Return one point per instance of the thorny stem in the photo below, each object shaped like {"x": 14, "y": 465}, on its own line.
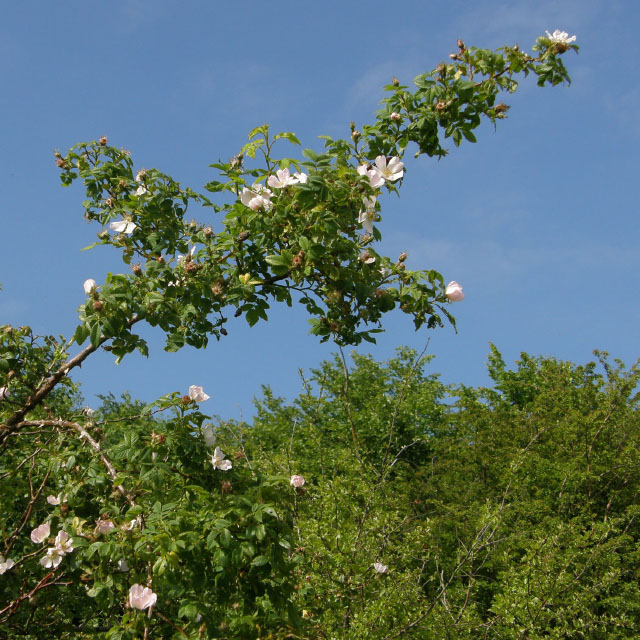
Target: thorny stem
{"x": 11, "y": 425}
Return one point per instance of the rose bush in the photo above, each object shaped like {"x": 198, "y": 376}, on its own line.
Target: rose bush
{"x": 146, "y": 517}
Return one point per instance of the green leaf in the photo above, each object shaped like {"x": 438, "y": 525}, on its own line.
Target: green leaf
{"x": 189, "y": 611}
{"x": 465, "y": 89}
{"x": 95, "y": 334}
{"x": 252, "y": 316}
{"x": 278, "y": 260}
{"x": 291, "y": 137}
{"x": 81, "y": 333}
{"x": 469, "y": 135}
{"x": 91, "y": 246}
{"x": 259, "y": 561}
{"x": 225, "y": 538}
{"x": 262, "y": 129}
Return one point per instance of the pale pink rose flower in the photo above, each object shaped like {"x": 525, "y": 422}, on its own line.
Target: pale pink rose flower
{"x": 52, "y": 559}
{"x": 257, "y": 198}
{"x": 41, "y": 533}
{"x": 282, "y": 179}
{"x": 395, "y": 116}
{"x": 122, "y": 565}
{"x": 55, "y": 500}
{"x": 301, "y": 177}
{"x": 5, "y": 565}
{"x": 89, "y": 285}
{"x": 218, "y": 460}
{"x": 209, "y": 435}
{"x": 392, "y": 170}
{"x": 141, "y": 597}
{"x": 375, "y": 179}
{"x": 378, "y": 567}
{"x": 123, "y": 226}
{"x": 296, "y": 481}
{"x": 454, "y": 292}
{"x": 140, "y": 191}
{"x": 64, "y": 543}
{"x": 561, "y": 37}
{"x": 365, "y": 218}
{"x": 197, "y": 394}
{"x": 104, "y": 526}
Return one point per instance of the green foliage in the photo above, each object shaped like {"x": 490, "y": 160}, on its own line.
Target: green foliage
{"x": 417, "y": 514}
{"x": 506, "y": 512}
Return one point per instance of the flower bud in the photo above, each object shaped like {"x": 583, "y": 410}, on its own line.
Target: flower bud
{"x": 102, "y": 141}
{"x": 395, "y": 116}
{"x": 461, "y": 45}
{"x": 223, "y": 331}
{"x": 62, "y": 163}
{"x": 356, "y": 135}
{"x": 241, "y": 237}
{"x": 137, "y": 269}
{"x": 395, "y": 82}
{"x": 402, "y": 257}
{"x": 97, "y": 305}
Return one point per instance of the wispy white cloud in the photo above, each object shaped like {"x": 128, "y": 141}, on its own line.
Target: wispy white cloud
{"x": 506, "y": 20}
{"x": 488, "y": 259}
{"x": 366, "y": 90}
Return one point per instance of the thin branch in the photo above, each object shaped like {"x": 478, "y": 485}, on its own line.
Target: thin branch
{"x": 48, "y": 385}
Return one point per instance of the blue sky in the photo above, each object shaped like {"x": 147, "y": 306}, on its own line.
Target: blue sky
{"x": 538, "y": 221}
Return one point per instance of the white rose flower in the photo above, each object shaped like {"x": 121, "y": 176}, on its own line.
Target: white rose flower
{"x": 197, "y": 394}
{"x": 89, "y": 285}
{"x": 52, "y": 559}
{"x": 141, "y": 597}
{"x": 123, "y": 226}
{"x": 5, "y": 565}
{"x": 218, "y": 460}
{"x": 41, "y": 533}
